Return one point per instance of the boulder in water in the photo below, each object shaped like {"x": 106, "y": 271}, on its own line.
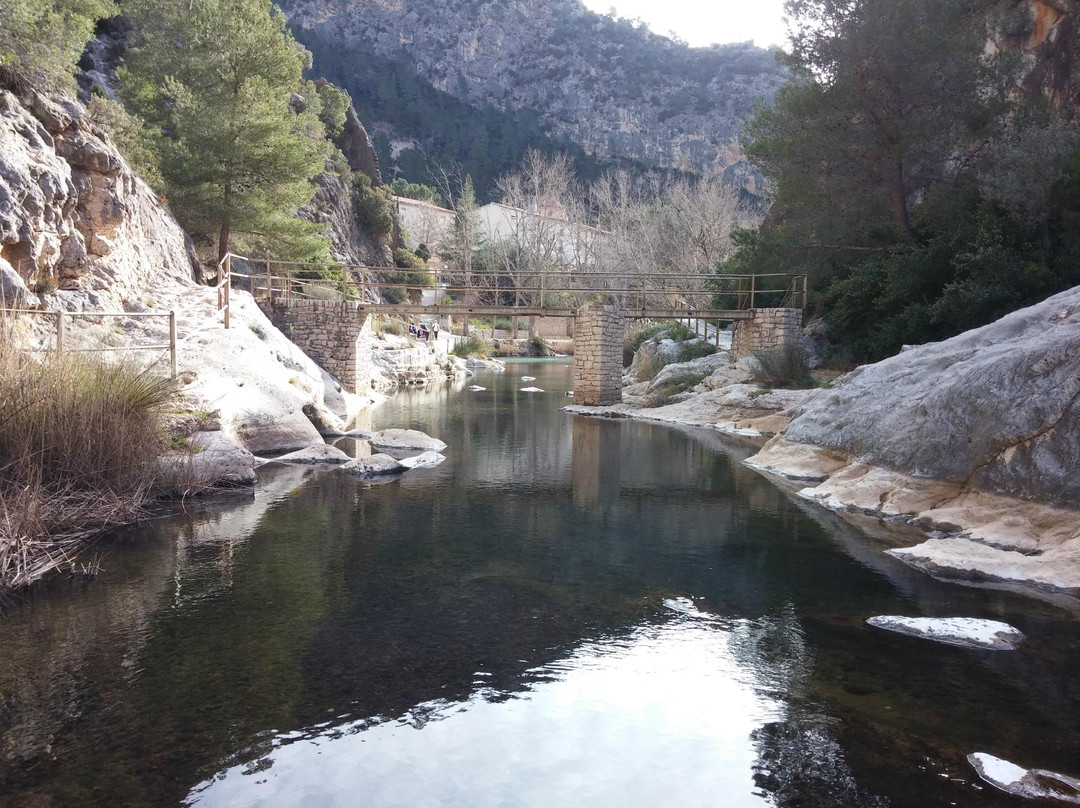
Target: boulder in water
{"x": 1029, "y": 783}
{"x": 379, "y": 465}
{"x": 965, "y": 632}
{"x": 405, "y": 439}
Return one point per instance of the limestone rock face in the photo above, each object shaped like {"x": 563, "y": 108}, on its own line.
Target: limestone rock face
{"x": 332, "y": 204}
{"x": 997, "y": 407}
{"x": 72, "y": 211}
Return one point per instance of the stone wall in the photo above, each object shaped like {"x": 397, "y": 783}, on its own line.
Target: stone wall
{"x": 770, "y": 329}
{"x": 334, "y": 334}
{"x": 598, "y": 345}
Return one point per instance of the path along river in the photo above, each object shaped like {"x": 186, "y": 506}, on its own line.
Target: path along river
{"x": 493, "y": 632}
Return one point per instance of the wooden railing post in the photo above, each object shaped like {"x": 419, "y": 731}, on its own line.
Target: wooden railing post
{"x": 753, "y": 291}
{"x": 269, "y": 282}
{"x": 59, "y": 332}
{"x": 228, "y": 284}
{"x": 172, "y": 342}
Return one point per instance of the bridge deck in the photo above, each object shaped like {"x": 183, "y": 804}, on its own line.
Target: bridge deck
{"x": 727, "y": 315}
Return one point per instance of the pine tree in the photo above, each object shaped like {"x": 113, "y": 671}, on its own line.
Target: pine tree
{"x": 219, "y": 78}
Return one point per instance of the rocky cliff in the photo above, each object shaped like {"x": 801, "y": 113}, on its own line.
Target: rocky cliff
{"x": 74, "y": 216}
{"x": 80, "y": 232}
{"x": 619, "y": 91}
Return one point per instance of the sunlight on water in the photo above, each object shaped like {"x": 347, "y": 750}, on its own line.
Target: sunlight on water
{"x": 663, "y": 716}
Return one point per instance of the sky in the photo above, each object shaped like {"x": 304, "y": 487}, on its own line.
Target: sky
{"x": 703, "y": 22}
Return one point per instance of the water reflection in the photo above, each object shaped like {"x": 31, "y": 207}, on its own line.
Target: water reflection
{"x": 491, "y": 631}
{"x": 661, "y": 715}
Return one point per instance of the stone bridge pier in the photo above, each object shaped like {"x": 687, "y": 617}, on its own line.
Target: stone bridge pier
{"x": 334, "y": 334}
{"x": 598, "y": 355}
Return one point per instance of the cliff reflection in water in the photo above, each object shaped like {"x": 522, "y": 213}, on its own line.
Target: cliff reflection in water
{"x": 493, "y": 631}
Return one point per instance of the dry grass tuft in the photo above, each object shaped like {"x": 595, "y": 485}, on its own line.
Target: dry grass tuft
{"x": 79, "y": 439}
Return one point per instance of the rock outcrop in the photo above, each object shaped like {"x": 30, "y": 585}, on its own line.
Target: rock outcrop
{"x": 976, "y": 438}
{"x": 333, "y": 205}
{"x": 73, "y": 215}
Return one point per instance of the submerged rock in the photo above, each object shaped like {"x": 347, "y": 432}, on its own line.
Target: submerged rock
{"x": 320, "y": 453}
{"x": 1029, "y": 783}
{"x": 477, "y": 389}
{"x": 379, "y": 465}
{"x": 531, "y": 390}
{"x": 687, "y": 607}
{"x": 426, "y": 460}
{"x": 528, "y": 378}
{"x": 398, "y": 439}
{"x": 965, "y": 632}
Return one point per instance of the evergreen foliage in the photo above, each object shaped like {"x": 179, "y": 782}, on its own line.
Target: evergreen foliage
{"x": 216, "y": 78}
{"x": 415, "y": 190}
{"x": 372, "y": 206}
{"x": 41, "y": 40}
{"x": 914, "y": 185}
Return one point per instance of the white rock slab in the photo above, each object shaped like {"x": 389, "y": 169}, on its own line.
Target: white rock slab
{"x": 531, "y": 390}
{"x": 477, "y": 389}
{"x": 1029, "y": 783}
{"x": 313, "y": 455}
{"x": 965, "y": 632}
{"x": 426, "y": 460}
{"x": 398, "y": 439}
{"x": 528, "y": 378}
{"x": 378, "y": 465}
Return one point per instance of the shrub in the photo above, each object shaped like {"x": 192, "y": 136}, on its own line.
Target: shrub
{"x": 650, "y": 365}
{"x": 665, "y": 392}
{"x": 403, "y": 259}
{"x": 472, "y": 346}
{"x": 665, "y": 329}
{"x": 373, "y": 211}
{"x": 391, "y": 325}
{"x": 537, "y": 347}
{"x": 79, "y": 441}
{"x": 423, "y": 252}
{"x": 783, "y": 367}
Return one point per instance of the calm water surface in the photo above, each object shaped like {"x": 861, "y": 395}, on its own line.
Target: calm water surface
{"x": 493, "y": 632}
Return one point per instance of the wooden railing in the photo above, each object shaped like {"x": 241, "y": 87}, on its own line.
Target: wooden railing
{"x": 61, "y": 342}
{"x": 535, "y": 291}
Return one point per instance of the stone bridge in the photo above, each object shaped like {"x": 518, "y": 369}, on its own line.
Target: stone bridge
{"x": 337, "y": 333}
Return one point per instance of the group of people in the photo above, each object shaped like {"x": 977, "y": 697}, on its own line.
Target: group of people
{"x": 422, "y": 331}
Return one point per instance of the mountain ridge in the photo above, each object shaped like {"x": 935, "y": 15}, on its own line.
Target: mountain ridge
{"x": 618, "y": 91}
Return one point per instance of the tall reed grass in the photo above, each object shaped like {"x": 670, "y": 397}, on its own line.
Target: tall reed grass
{"x": 79, "y": 440}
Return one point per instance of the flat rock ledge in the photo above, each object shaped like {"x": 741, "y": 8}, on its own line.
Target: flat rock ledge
{"x": 971, "y": 535}
{"x": 1028, "y": 783}
{"x": 314, "y": 455}
{"x": 378, "y": 465}
{"x": 964, "y": 632}
{"x": 406, "y": 440}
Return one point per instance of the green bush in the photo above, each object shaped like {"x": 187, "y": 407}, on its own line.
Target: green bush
{"x": 372, "y": 205}
{"x": 665, "y": 329}
{"x": 537, "y": 347}
{"x": 472, "y": 346}
{"x": 404, "y": 259}
{"x": 784, "y": 367}
{"x": 423, "y": 252}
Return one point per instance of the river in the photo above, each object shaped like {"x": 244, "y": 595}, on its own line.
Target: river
{"x": 566, "y": 612}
